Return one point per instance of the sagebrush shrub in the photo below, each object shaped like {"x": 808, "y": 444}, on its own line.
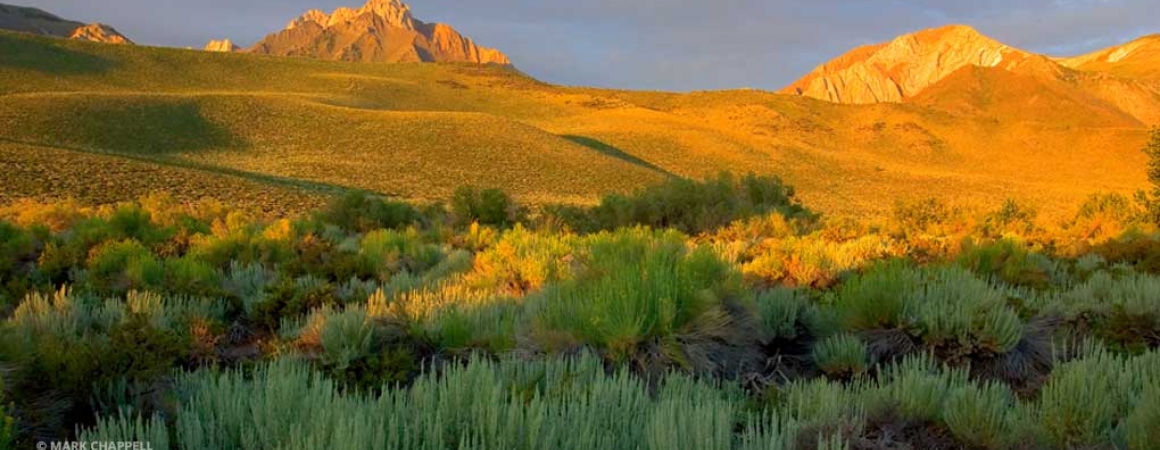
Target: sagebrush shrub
{"x": 634, "y": 286}
{"x": 841, "y": 356}
{"x": 981, "y": 415}
{"x": 784, "y": 313}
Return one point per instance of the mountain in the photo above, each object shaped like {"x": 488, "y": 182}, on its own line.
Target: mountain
{"x": 224, "y": 46}
{"x": 904, "y": 67}
{"x": 959, "y": 70}
{"x": 99, "y": 32}
{"x": 380, "y": 31}
{"x": 36, "y": 21}
{"x": 1139, "y": 59}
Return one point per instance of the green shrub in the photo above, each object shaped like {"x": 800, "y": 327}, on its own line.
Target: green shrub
{"x": 1142, "y": 426}
{"x": 292, "y": 298}
{"x": 491, "y": 326}
{"x": 522, "y": 262}
{"x": 125, "y": 427}
{"x": 841, "y": 356}
{"x": 484, "y": 206}
{"x": 512, "y": 404}
{"x": 1082, "y": 402}
{"x": 131, "y": 221}
{"x": 784, "y": 313}
{"x": 697, "y": 206}
{"x": 981, "y": 415}
{"x": 874, "y": 300}
{"x": 1152, "y": 150}
{"x": 1124, "y": 312}
{"x": 190, "y": 276}
{"x": 921, "y": 216}
{"x": 385, "y": 253}
{"x": 821, "y": 402}
{"x": 140, "y": 351}
{"x": 1011, "y": 219}
{"x": 916, "y": 387}
{"x": 962, "y": 314}
{"x": 119, "y": 266}
{"x": 1007, "y": 260}
{"x": 362, "y": 212}
{"x": 17, "y": 249}
{"x": 7, "y": 423}
{"x": 634, "y": 286}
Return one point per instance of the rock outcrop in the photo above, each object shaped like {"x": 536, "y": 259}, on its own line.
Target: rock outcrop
{"x": 36, "y": 21}
{"x": 99, "y": 32}
{"x": 223, "y": 46}
{"x": 904, "y": 67}
{"x": 380, "y": 31}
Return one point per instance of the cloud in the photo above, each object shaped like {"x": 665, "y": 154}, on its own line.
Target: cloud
{"x": 660, "y": 44}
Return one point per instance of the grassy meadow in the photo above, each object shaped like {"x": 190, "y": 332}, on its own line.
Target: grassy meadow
{"x": 418, "y": 131}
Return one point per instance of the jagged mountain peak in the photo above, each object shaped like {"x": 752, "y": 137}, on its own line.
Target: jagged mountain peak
{"x": 99, "y": 32}
{"x": 378, "y": 31}
{"x": 393, "y": 12}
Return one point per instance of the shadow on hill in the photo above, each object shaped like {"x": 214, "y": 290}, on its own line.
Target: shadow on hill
{"x": 47, "y": 56}
{"x": 147, "y": 128}
{"x": 614, "y": 152}
{"x": 317, "y": 187}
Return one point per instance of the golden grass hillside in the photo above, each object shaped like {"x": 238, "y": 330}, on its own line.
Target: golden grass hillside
{"x": 420, "y": 130}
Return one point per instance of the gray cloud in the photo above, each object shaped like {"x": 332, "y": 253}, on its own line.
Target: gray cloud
{"x": 659, "y": 44}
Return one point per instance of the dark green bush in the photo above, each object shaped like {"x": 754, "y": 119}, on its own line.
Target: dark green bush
{"x": 484, "y": 206}
{"x": 291, "y": 299}
{"x": 690, "y": 206}
{"x": 1152, "y": 149}
{"x": 7, "y": 423}
{"x": 119, "y": 266}
{"x": 139, "y": 351}
{"x": 362, "y": 212}
{"x": 17, "y": 251}
{"x": 190, "y": 276}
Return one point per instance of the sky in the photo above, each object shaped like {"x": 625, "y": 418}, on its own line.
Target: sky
{"x": 675, "y": 45}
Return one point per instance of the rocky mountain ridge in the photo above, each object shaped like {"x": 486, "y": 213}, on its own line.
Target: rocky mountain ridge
{"x": 379, "y": 31}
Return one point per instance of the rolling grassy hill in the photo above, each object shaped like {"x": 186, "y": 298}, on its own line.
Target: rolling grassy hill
{"x": 217, "y": 124}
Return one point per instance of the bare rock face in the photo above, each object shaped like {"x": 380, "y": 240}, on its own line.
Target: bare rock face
{"x": 223, "y": 46}
{"x": 904, "y": 67}
{"x": 379, "y": 31}
{"x": 99, "y": 32}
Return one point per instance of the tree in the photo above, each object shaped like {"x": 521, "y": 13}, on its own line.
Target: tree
{"x": 1152, "y": 149}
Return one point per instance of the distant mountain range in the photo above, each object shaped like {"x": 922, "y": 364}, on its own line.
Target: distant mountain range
{"x": 36, "y": 21}
{"x": 957, "y": 68}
